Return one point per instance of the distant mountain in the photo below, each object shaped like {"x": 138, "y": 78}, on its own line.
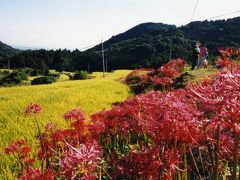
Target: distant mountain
{"x": 145, "y": 45}
{"x": 7, "y": 51}
{"x": 138, "y": 31}
{"x": 152, "y": 44}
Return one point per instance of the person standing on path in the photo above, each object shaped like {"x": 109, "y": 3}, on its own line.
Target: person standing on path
{"x": 203, "y": 56}
{"x": 195, "y": 55}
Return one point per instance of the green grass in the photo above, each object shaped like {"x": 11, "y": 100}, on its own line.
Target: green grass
{"x": 2, "y": 70}
{"x": 89, "y": 95}
{"x": 200, "y": 74}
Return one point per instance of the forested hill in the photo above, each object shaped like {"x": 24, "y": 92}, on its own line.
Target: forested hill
{"x": 216, "y": 34}
{"x": 7, "y": 51}
{"x": 147, "y": 44}
{"x": 138, "y": 31}
{"x": 153, "y": 46}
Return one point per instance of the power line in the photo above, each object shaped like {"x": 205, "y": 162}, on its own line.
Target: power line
{"x": 234, "y": 12}
{"x": 87, "y": 47}
{"x": 194, "y": 10}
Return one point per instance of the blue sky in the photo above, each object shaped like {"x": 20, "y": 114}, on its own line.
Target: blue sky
{"x": 80, "y": 23}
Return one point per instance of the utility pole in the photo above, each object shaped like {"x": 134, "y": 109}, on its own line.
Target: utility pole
{"x": 106, "y": 65}
{"x": 88, "y": 67}
{"x": 103, "y": 60}
{"x": 8, "y": 63}
{"x": 170, "y": 52}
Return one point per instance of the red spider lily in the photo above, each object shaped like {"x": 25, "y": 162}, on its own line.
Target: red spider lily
{"x": 20, "y": 147}
{"x": 225, "y": 52}
{"x": 135, "y": 76}
{"x": 168, "y": 119}
{"x": 227, "y": 144}
{"x": 219, "y": 103}
{"x": 164, "y": 81}
{"x": 178, "y": 117}
{"x": 160, "y": 78}
{"x": 159, "y": 115}
{"x": 81, "y": 161}
{"x": 171, "y": 118}
{"x": 50, "y": 144}
{"x": 14, "y": 146}
{"x": 35, "y": 174}
{"x": 54, "y": 140}
{"x": 76, "y": 118}
{"x": 172, "y": 68}
{"x": 220, "y": 100}
{"x": 75, "y": 115}
{"x": 21, "y": 151}
{"x": 228, "y": 52}
{"x": 33, "y": 109}
{"x": 223, "y": 62}
{"x": 31, "y": 173}
{"x": 148, "y": 164}
{"x": 228, "y": 55}
{"x": 144, "y": 164}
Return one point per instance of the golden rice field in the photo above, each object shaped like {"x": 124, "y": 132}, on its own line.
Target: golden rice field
{"x": 89, "y": 95}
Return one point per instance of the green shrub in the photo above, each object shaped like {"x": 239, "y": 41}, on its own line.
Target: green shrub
{"x": 14, "y": 78}
{"x": 55, "y": 75}
{"x": 80, "y": 75}
{"x": 70, "y": 75}
{"x": 26, "y": 70}
{"x": 37, "y": 72}
{"x": 5, "y": 72}
{"x": 133, "y": 79}
{"x": 43, "y": 80}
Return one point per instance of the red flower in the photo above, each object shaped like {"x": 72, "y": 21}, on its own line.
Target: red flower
{"x": 223, "y": 62}
{"x": 229, "y": 52}
{"x": 36, "y": 174}
{"x": 74, "y": 114}
{"x": 21, "y": 151}
{"x": 82, "y": 161}
{"x": 33, "y": 109}
{"x": 15, "y": 147}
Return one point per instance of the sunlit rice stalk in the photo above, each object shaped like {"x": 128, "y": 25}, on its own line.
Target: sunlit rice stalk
{"x": 225, "y": 170}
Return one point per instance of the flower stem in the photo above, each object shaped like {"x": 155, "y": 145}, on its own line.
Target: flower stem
{"x": 235, "y": 158}
{"x": 41, "y": 142}
{"x": 225, "y": 170}
{"x": 217, "y": 147}
{"x": 185, "y": 172}
{"x": 195, "y": 164}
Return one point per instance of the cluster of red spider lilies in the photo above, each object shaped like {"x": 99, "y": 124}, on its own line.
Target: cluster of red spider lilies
{"x": 188, "y": 133}
{"x": 162, "y": 78}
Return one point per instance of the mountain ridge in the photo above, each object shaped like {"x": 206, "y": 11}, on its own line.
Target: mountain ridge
{"x": 138, "y": 31}
{"x": 7, "y": 51}
{"x": 145, "y": 45}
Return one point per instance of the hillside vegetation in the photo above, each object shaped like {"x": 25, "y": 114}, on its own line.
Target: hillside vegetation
{"x": 145, "y": 45}
{"x": 6, "y": 51}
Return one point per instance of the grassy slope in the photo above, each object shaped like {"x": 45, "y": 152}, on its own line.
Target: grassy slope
{"x": 90, "y": 95}
{"x": 199, "y": 74}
